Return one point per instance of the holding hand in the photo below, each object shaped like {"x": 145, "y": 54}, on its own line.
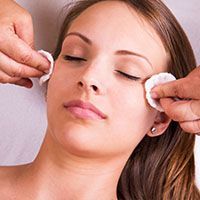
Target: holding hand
{"x": 18, "y": 59}
{"x": 187, "y": 111}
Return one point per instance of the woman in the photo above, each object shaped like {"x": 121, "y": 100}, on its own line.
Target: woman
{"x": 103, "y": 141}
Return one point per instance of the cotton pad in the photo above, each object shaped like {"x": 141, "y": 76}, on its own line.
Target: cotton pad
{"x": 49, "y": 57}
{"x": 154, "y": 81}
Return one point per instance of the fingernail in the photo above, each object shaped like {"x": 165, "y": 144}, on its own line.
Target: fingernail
{"x": 154, "y": 95}
{"x": 47, "y": 64}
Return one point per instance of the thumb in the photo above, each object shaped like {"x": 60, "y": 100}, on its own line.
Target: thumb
{"x": 169, "y": 107}
{"x": 167, "y": 104}
{"x": 24, "y": 30}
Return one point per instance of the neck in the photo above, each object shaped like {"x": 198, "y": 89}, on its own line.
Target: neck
{"x": 55, "y": 174}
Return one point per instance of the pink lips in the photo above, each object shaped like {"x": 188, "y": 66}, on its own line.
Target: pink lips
{"x": 84, "y": 110}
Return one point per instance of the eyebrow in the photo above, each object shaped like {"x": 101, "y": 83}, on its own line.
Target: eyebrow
{"x": 119, "y": 52}
{"x": 84, "y": 38}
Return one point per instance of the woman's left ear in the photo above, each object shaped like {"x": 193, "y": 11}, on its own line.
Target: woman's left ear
{"x": 161, "y": 123}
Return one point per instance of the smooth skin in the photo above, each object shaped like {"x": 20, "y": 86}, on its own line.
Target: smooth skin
{"x": 20, "y": 62}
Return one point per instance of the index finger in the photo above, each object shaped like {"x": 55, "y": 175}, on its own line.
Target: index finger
{"x": 181, "y": 88}
{"x": 23, "y": 53}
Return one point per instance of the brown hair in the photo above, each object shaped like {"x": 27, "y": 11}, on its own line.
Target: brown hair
{"x": 161, "y": 167}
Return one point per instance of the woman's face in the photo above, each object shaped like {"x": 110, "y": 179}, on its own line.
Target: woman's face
{"x": 120, "y": 52}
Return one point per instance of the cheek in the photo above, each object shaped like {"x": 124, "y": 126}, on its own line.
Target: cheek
{"x": 58, "y": 92}
{"x": 132, "y": 113}
{"x": 132, "y": 118}
{"x": 60, "y": 84}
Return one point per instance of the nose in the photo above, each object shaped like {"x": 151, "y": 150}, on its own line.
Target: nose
{"x": 90, "y": 83}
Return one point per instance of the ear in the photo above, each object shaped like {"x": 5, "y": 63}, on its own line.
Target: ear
{"x": 161, "y": 123}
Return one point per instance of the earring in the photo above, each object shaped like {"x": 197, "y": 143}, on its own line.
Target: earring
{"x": 153, "y": 130}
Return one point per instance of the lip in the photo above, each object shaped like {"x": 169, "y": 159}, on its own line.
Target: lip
{"x": 84, "y": 110}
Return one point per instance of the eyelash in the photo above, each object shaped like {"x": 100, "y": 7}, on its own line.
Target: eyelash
{"x": 134, "y": 78}
{"x": 73, "y": 59}
{"x": 78, "y": 59}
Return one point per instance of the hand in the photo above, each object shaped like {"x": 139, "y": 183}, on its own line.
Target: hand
{"x": 187, "y": 111}
{"x": 18, "y": 60}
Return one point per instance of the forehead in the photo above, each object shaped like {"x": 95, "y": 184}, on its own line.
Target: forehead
{"x": 113, "y": 25}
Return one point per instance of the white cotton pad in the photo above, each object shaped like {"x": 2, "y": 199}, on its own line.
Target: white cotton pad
{"x": 46, "y": 77}
{"x": 154, "y": 81}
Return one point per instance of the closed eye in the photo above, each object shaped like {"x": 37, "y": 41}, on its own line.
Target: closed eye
{"x": 128, "y": 76}
{"x": 73, "y": 59}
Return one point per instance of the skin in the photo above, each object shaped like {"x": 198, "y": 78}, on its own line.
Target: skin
{"x": 83, "y": 159}
{"x": 19, "y": 62}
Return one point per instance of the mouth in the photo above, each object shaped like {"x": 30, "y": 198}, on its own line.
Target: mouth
{"x": 84, "y": 110}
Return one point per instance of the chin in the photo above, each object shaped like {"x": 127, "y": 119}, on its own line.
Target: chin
{"x": 81, "y": 141}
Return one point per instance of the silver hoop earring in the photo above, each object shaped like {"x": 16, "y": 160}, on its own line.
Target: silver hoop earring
{"x": 153, "y": 130}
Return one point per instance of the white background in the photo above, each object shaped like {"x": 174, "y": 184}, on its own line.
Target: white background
{"x": 23, "y": 111}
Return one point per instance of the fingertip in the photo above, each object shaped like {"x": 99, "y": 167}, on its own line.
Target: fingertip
{"x": 44, "y": 64}
{"x": 24, "y": 82}
{"x": 158, "y": 92}
{"x": 28, "y": 85}
{"x": 154, "y": 95}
